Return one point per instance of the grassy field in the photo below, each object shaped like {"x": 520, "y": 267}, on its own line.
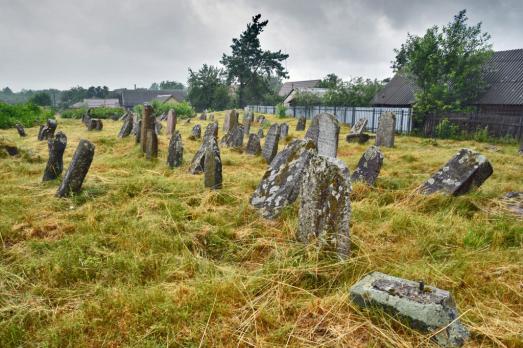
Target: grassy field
{"x": 146, "y": 256}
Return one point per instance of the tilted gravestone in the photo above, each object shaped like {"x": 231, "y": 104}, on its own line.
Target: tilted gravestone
{"x": 55, "y": 163}
{"x": 465, "y": 171}
{"x": 40, "y": 135}
{"x": 127, "y": 127}
{"x": 162, "y": 117}
{"x": 171, "y": 121}
{"x": 212, "y": 165}
{"x": 75, "y": 175}
{"x": 147, "y": 124}
{"x": 369, "y": 166}
{"x": 270, "y": 148}
{"x": 280, "y": 184}
{"x": 284, "y": 130}
{"x": 324, "y": 131}
{"x": 47, "y": 131}
{"x": 175, "y": 154}
{"x": 359, "y": 126}
{"x": 151, "y": 148}
{"x": 253, "y": 145}
{"x": 158, "y": 127}
{"x": 386, "y": 129}
{"x": 424, "y": 308}
{"x": 231, "y": 120}
{"x": 198, "y": 161}
{"x": 203, "y": 116}
{"x": 513, "y": 202}
{"x": 302, "y": 122}
{"x": 95, "y": 124}
{"x": 356, "y": 133}
{"x": 20, "y": 129}
{"x": 125, "y": 116}
{"x": 234, "y": 138}
{"x": 137, "y": 130}
{"x": 325, "y": 211}
{"x": 260, "y": 133}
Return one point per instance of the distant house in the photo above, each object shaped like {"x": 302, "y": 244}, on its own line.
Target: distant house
{"x": 289, "y": 99}
{"x": 287, "y": 87}
{"x": 132, "y": 97}
{"x": 97, "y": 103}
{"x": 504, "y": 77}
{"x": 166, "y": 98}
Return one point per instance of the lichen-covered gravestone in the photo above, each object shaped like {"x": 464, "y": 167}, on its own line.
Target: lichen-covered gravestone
{"x": 260, "y": 133}
{"x": 175, "y": 153}
{"x": 196, "y": 132}
{"x": 233, "y": 138}
{"x": 231, "y": 121}
{"x": 284, "y": 130}
{"x": 302, "y": 122}
{"x": 369, "y": 166}
{"x": 147, "y": 124}
{"x": 465, "y": 171}
{"x": 55, "y": 163}
{"x": 137, "y": 130}
{"x": 171, "y": 121}
{"x": 95, "y": 124}
{"x": 127, "y": 127}
{"x": 270, "y": 148}
{"x": 246, "y": 129}
{"x": 151, "y": 148}
{"x": 280, "y": 184}
{"x": 324, "y": 131}
{"x": 75, "y": 175}
{"x": 325, "y": 211}
{"x": 424, "y": 308}
{"x": 213, "y": 165}
{"x": 20, "y": 129}
{"x": 356, "y": 133}
{"x": 386, "y": 129}
{"x": 253, "y": 145}
{"x": 198, "y": 161}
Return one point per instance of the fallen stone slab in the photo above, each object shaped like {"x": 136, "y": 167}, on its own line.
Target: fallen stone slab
{"x": 369, "y": 166}
{"x": 465, "y": 171}
{"x": 513, "y": 201}
{"x": 424, "y": 308}
{"x": 357, "y": 138}
{"x": 55, "y": 163}
{"x": 77, "y": 171}
{"x": 359, "y": 126}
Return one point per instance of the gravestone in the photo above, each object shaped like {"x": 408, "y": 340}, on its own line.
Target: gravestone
{"x": 424, "y": 308}
{"x": 280, "y": 184}
{"x": 231, "y": 121}
{"x": 147, "y": 124}
{"x": 369, "y": 166}
{"x": 270, "y": 148}
{"x": 246, "y": 129}
{"x": 196, "y": 132}
{"x": 175, "y": 154}
{"x": 86, "y": 118}
{"x": 203, "y": 116}
{"x": 386, "y": 129}
{"x": 162, "y": 117}
{"x": 248, "y": 117}
{"x": 253, "y": 145}
{"x": 20, "y": 129}
{"x": 137, "y": 130}
{"x": 158, "y": 127}
{"x": 356, "y": 133}
{"x": 325, "y": 211}
{"x": 234, "y": 138}
{"x": 212, "y": 165}
{"x": 127, "y": 127}
{"x": 171, "y": 122}
{"x": 260, "y": 119}
{"x": 55, "y": 163}
{"x": 300, "y": 126}
{"x": 47, "y": 131}
{"x": 284, "y": 130}
{"x": 324, "y": 131}
{"x": 359, "y": 126}
{"x": 513, "y": 201}
{"x": 95, "y": 124}
{"x": 151, "y": 148}
{"x": 260, "y": 133}
{"x": 465, "y": 171}
{"x": 125, "y": 116}
{"x": 40, "y": 135}
{"x": 211, "y": 130}
{"x": 211, "y": 117}
{"x": 198, "y": 161}
{"x": 75, "y": 175}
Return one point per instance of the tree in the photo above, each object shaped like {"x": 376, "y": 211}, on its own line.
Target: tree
{"x": 207, "y": 89}
{"x": 330, "y": 81}
{"x": 249, "y": 66}
{"x": 7, "y": 90}
{"x": 171, "y": 85}
{"x": 41, "y": 99}
{"x": 447, "y": 65}
{"x": 154, "y": 86}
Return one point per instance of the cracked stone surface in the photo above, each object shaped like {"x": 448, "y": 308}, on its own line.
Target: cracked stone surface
{"x": 270, "y": 148}
{"x": 231, "y": 120}
{"x": 253, "y": 145}
{"x": 175, "y": 152}
{"x": 324, "y": 131}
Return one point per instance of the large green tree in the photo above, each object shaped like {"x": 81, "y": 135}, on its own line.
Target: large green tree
{"x": 208, "y": 89}
{"x": 250, "y": 67}
{"x": 447, "y": 65}
{"x": 41, "y": 99}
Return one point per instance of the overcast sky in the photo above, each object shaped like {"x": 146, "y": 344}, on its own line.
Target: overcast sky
{"x": 64, "y": 43}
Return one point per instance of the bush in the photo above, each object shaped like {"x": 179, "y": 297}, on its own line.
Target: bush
{"x": 27, "y": 114}
{"x": 447, "y": 130}
{"x": 281, "y": 110}
{"x": 481, "y": 135}
{"x": 102, "y": 112}
{"x": 183, "y": 109}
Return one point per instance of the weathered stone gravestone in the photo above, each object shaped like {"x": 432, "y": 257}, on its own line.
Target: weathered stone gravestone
{"x": 424, "y": 308}
{"x": 86, "y": 118}
{"x": 211, "y": 117}
{"x": 196, "y": 132}
{"x": 324, "y": 131}
{"x": 151, "y": 148}
{"x": 137, "y": 130}
{"x": 175, "y": 154}
{"x": 280, "y": 184}
{"x": 234, "y": 138}
{"x": 158, "y": 127}
{"x": 270, "y": 148}
{"x": 198, "y": 161}
{"x": 231, "y": 121}
{"x": 211, "y": 130}
{"x": 147, "y": 124}
{"x": 356, "y": 133}
{"x": 359, "y": 126}
{"x": 325, "y": 210}
{"x": 359, "y": 138}
{"x": 284, "y": 130}
{"x": 47, "y": 131}
{"x": 75, "y": 175}
{"x": 253, "y": 145}
{"x": 369, "y": 166}
{"x": 260, "y": 119}
{"x": 127, "y": 127}
{"x": 20, "y": 129}
{"x": 386, "y": 129}
{"x": 95, "y": 124}
{"x": 125, "y": 116}
{"x": 171, "y": 122}
{"x": 300, "y": 126}
{"x": 513, "y": 201}
{"x": 162, "y": 117}
{"x": 213, "y": 165}
{"x": 260, "y": 133}
{"x": 55, "y": 163}
{"x": 40, "y": 135}
{"x": 465, "y": 171}
{"x": 203, "y": 116}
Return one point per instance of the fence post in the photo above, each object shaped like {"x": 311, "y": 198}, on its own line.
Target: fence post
{"x": 373, "y": 114}
{"x": 401, "y": 127}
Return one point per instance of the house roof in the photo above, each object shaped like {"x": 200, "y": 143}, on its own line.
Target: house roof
{"x": 95, "y": 103}
{"x": 317, "y": 91}
{"x": 287, "y": 87}
{"x": 132, "y": 97}
{"x": 164, "y": 97}
{"x": 504, "y": 77}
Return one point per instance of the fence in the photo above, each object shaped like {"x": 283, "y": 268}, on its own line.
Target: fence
{"x": 498, "y": 123}
{"x": 347, "y": 114}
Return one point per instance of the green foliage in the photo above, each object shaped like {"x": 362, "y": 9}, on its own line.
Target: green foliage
{"x": 251, "y": 67}
{"x": 41, "y": 99}
{"x": 101, "y": 112}
{"x": 183, "y": 109}
{"x": 446, "y": 64}
{"x": 481, "y": 135}
{"x": 355, "y": 92}
{"x": 207, "y": 89}
{"x": 27, "y": 114}
{"x": 167, "y": 85}
{"x": 330, "y": 81}
{"x": 447, "y": 130}
{"x": 281, "y": 110}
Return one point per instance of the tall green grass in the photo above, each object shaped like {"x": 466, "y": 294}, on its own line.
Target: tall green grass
{"x": 27, "y": 114}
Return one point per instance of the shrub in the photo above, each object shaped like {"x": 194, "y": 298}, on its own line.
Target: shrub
{"x": 481, "y": 135}
{"x": 183, "y": 109}
{"x": 102, "y": 112}
{"x": 27, "y": 114}
{"x": 281, "y": 110}
{"x": 447, "y": 130}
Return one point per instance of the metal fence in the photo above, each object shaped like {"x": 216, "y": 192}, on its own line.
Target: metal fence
{"x": 347, "y": 114}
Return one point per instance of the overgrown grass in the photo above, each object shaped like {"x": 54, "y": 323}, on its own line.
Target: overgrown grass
{"x": 146, "y": 256}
